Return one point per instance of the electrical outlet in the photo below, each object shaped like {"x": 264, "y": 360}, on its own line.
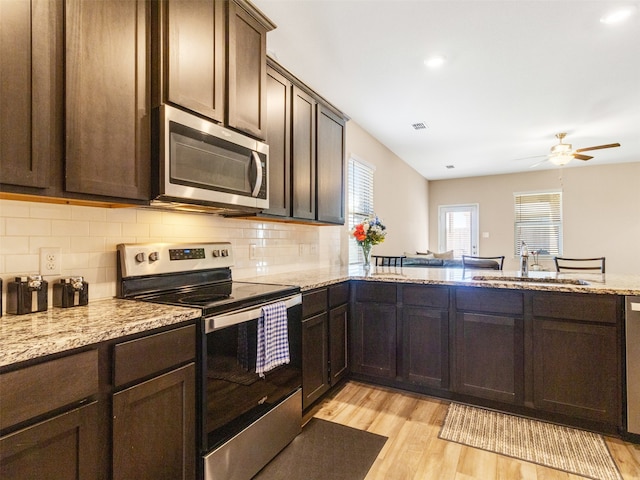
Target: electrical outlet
{"x": 50, "y": 261}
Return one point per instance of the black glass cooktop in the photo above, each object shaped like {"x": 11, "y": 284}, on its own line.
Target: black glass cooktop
{"x": 221, "y": 297}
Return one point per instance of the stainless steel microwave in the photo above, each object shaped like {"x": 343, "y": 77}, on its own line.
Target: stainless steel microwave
{"x": 202, "y": 164}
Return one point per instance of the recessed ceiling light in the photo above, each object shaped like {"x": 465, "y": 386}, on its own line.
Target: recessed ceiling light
{"x": 617, "y": 16}
{"x": 435, "y": 62}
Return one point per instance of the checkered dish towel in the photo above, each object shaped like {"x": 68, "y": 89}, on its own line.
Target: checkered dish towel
{"x": 273, "y": 338}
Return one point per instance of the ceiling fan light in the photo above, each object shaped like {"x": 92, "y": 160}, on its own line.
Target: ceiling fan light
{"x": 560, "y": 159}
{"x": 617, "y": 16}
{"x": 561, "y": 148}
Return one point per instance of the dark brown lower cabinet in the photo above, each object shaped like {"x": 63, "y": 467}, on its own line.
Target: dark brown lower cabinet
{"x": 425, "y": 346}
{"x": 489, "y": 357}
{"x": 64, "y": 447}
{"x": 374, "y": 330}
{"x": 577, "y": 355}
{"x": 154, "y": 428}
{"x": 338, "y": 352}
{"x": 315, "y": 368}
{"x": 425, "y": 335}
{"x": 325, "y": 358}
{"x": 489, "y": 344}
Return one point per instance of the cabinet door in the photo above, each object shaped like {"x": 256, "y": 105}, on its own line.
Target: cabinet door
{"x": 303, "y": 156}
{"x": 373, "y": 339}
{"x": 62, "y": 448}
{"x": 330, "y": 164}
{"x": 30, "y": 91}
{"x": 107, "y": 98}
{"x": 338, "y": 352}
{"x": 279, "y": 140}
{"x": 425, "y": 346}
{"x": 195, "y": 55}
{"x": 490, "y": 357}
{"x": 154, "y": 428}
{"x": 577, "y": 355}
{"x": 247, "y": 63}
{"x": 315, "y": 365}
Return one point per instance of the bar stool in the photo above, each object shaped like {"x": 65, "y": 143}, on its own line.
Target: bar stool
{"x": 568, "y": 264}
{"x": 388, "y": 260}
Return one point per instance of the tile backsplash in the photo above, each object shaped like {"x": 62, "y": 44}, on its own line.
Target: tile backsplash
{"x": 87, "y": 238}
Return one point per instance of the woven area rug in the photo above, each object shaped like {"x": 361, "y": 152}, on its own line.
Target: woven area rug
{"x": 563, "y": 448}
{"x": 325, "y": 451}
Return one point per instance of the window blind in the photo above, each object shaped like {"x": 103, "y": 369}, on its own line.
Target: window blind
{"x": 538, "y": 222}
{"x": 360, "y": 206}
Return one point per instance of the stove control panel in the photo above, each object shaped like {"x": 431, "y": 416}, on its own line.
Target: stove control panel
{"x": 138, "y": 259}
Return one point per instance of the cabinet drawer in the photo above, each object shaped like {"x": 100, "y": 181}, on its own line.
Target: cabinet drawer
{"x": 338, "y": 294}
{"x": 425, "y": 296}
{"x": 489, "y": 300}
{"x": 145, "y": 356}
{"x": 314, "y": 302}
{"x": 39, "y": 389}
{"x": 376, "y": 292}
{"x": 593, "y": 308}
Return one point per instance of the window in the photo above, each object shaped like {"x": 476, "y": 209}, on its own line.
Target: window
{"x": 360, "y": 200}
{"x": 538, "y": 222}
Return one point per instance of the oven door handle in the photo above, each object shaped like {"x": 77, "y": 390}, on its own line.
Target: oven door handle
{"x": 217, "y": 322}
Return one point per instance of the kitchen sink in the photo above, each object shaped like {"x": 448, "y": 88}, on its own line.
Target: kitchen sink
{"x": 564, "y": 281}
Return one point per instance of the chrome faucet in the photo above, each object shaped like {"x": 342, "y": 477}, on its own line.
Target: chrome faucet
{"x": 524, "y": 260}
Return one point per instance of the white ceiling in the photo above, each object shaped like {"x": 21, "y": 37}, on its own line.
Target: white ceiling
{"x": 517, "y": 72}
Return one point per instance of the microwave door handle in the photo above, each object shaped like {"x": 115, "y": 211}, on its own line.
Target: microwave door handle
{"x": 258, "y": 164}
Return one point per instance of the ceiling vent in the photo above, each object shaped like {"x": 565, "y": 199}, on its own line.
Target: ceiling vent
{"x": 419, "y": 126}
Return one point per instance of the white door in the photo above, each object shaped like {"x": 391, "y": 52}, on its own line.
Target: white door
{"x": 458, "y": 229}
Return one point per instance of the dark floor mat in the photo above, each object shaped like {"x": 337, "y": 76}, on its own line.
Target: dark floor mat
{"x": 325, "y": 451}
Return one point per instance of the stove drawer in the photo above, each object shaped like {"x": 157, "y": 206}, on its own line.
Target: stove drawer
{"x": 143, "y": 357}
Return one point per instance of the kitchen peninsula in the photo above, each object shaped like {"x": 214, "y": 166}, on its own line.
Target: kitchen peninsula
{"x": 546, "y": 350}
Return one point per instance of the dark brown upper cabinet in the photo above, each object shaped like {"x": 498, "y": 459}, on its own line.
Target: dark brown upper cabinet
{"x": 279, "y": 140}
{"x": 211, "y": 59}
{"x": 304, "y": 155}
{"x": 30, "y": 93}
{"x": 330, "y": 166}
{"x": 195, "y": 56}
{"x": 306, "y": 138}
{"x": 247, "y": 68}
{"x": 107, "y": 98}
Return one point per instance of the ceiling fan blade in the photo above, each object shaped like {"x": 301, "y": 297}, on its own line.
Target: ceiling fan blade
{"x": 598, "y": 147}
{"x": 577, "y": 156}
{"x": 539, "y": 163}
{"x": 527, "y": 158}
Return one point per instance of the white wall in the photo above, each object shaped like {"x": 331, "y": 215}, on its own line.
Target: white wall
{"x": 601, "y": 211}
{"x": 400, "y": 194}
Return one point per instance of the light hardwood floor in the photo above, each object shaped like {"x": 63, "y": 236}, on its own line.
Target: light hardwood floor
{"x": 414, "y": 451}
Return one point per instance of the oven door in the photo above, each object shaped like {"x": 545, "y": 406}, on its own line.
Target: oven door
{"x": 234, "y": 396}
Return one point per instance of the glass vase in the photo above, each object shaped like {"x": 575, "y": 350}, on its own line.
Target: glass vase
{"x": 366, "y": 254}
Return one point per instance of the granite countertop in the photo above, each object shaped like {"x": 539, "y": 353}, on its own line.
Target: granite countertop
{"x": 24, "y": 337}
{"x": 541, "y": 281}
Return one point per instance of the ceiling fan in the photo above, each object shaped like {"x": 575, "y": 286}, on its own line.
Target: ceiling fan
{"x": 563, "y": 153}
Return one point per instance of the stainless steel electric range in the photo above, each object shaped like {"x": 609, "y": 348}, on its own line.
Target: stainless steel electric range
{"x": 244, "y": 419}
